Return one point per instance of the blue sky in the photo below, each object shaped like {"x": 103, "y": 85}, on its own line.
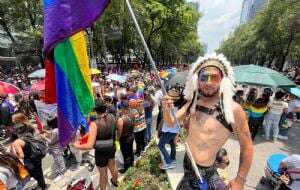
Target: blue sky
{"x": 219, "y": 18}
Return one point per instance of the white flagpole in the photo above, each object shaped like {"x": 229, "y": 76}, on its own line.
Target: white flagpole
{"x": 161, "y": 84}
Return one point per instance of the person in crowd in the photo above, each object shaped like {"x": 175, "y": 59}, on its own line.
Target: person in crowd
{"x": 168, "y": 135}
{"x": 209, "y": 84}
{"x": 257, "y": 113}
{"x": 125, "y": 125}
{"x": 138, "y": 114}
{"x": 23, "y": 148}
{"x": 276, "y": 108}
{"x": 251, "y": 97}
{"x": 239, "y": 97}
{"x": 21, "y": 126}
{"x": 102, "y": 133}
{"x": 148, "y": 108}
{"x": 85, "y": 154}
{"x": 6, "y": 111}
{"x": 290, "y": 169}
{"x": 54, "y": 149}
{"x": 222, "y": 162}
{"x": 294, "y": 107}
{"x": 288, "y": 117}
{"x": 12, "y": 171}
{"x": 267, "y": 93}
{"x": 158, "y": 97}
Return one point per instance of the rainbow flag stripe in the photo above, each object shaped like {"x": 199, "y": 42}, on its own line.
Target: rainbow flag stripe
{"x": 63, "y": 18}
{"x": 74, "y": 92}
{"x": 257, "y": 112}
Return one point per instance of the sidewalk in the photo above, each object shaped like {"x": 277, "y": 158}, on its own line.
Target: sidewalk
{"x": 262, "y": 150}
{"x": 68, "y": 177}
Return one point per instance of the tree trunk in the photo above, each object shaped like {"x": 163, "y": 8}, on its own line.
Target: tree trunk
{"x": 6, "y": 29}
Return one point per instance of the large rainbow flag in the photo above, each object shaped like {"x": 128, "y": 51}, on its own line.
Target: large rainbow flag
{"x": 74, "y": 92}
{"x": 67, "y": 66}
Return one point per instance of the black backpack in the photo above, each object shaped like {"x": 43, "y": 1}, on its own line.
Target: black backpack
{"x": 38, "y": 147}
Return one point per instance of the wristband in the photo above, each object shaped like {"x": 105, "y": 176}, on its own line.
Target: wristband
{"x": 242, "y": 178}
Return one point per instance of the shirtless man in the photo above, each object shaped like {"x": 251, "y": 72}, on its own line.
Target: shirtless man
{"x": 212, "y": 117}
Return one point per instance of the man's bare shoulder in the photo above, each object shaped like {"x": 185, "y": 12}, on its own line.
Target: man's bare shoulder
{"x": 237, "y": 109}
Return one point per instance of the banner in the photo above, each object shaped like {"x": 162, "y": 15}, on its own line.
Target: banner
{"x": 45, "y": 111}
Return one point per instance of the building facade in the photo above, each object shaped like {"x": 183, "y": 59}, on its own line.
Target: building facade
{"x": 251, "y": 8}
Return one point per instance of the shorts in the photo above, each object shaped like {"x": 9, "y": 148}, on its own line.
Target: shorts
{"x": 102, "y": 157}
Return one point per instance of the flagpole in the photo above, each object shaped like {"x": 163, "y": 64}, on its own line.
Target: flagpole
{"x": 161, "y": 84}
{"x": 146, "y": 47}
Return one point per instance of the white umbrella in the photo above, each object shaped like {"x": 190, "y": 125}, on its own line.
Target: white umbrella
{"x": 116, "y": 77}
{"x": 38, "y": 74}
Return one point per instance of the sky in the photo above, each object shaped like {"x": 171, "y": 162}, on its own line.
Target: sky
{"x": 219, "y": 18}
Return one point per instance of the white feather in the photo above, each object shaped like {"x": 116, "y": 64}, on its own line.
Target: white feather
{"x": 227, "y": 91}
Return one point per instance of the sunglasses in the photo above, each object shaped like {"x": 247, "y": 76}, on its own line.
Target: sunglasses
{"x": 207, "y": 75}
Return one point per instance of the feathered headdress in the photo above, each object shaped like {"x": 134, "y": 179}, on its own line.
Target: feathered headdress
{"x": 227, "y": 88}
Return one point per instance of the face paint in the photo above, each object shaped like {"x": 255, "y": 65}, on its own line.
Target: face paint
{"x": 210, "y": 74}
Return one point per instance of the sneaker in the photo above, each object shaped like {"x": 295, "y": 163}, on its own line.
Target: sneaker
{"x": 115, "y": 184}
{"x": 173, "y": 162}
{"x": 167, "y": 166}
{"x": 285, "y": 137}
{"x": 280, "y": 137}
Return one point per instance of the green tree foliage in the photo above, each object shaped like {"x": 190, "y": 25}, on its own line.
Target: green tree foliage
{"x": 273, "y": 37}
{"x": 22, "y": 20}
{"x": 170, "y": 29}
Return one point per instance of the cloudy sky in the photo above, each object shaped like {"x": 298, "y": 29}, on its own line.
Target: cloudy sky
{"x": 219, "y": 18}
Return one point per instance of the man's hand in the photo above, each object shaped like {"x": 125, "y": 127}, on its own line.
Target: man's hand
{"x": 236, "y": 184}
{"x": 76, "y": 144}
{"x": 167, "y": 102}
{"x": 285, "y": 179}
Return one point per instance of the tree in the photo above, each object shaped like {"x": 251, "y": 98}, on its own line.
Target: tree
{"x": 270, "y": 38}
{"x": 22, "y": 22}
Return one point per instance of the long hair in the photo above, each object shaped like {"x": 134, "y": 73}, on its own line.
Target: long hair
{"x": 10, "y": 162}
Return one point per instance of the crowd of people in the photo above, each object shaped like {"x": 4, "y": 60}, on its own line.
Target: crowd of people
{"x": 123, "y": 113}
{"x": 134, "y": 112}
{"x": 271, "y": 113}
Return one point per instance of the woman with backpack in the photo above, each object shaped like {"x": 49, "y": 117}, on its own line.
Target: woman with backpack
{"x": 102, "y": 139}
{"x": 30, "y": 148}
{"x": 32, "y": 151}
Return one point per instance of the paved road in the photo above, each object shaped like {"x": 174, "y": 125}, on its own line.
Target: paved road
{"x": 262, "y": 150}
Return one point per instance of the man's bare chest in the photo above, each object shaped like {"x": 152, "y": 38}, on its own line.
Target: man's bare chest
{"x": 207, "y": 128}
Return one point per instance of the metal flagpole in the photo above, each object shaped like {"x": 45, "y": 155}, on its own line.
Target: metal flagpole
{"x": 146, "y": 47}
{"x": 161, "y": 84}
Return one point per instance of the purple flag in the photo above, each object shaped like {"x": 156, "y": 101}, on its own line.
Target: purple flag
{"x": 63, "y": 18}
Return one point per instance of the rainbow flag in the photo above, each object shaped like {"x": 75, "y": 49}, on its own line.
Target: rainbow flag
{"x": 67, "y": 66}
{"x": 74, "y": 91}
{"x": 63, "y": 18}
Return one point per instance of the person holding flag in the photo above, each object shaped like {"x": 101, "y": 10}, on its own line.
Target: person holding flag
{"x": 212, "y": 116}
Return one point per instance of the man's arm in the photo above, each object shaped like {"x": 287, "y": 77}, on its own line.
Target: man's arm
{"x": 246, "y": 147}
{"x": 119, "y": 128}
